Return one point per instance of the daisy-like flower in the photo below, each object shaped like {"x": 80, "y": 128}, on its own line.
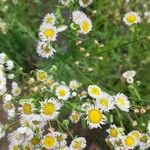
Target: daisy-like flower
{"x": 41, "y": 75}
{"x": 61, "y": 139}
{"x": 27, "y": 108}
{"x": 131, "y": 18}
{"x": 16, "y": 91}
{"x": 78, "y": 143}
{"x": 2, "y": 131}
{"x": 49, "y": 141}
{"x": 105, "y": 102}
{"x": 122, "y": 102}
{"x": 63, "y": 92}
{"x": 49, "y": 108}
{"x": 136, "y": 134}
{"x": 85, "y": 3}
{"x": 75, "y": 117}
{"x": 129, "y": 75}
{"x": 45, "y": 50}
{"x": 85, "y": 26}
{"x": 94, "y": 91}
{"x": 95, "y": 118}
{"x": 83, "y": 94}
{"x": 7, "y": 97}
{"x": 49, "y": 19}
{"x": 113, "y": 132}
{"x": 129, "y": 141}
{"x": 74, "y": 85}
{"x": 78, "y": 17}
{"x": 85, "y": 106}
{"x": 48, "y": 33}
{"x": 144, "y": 142}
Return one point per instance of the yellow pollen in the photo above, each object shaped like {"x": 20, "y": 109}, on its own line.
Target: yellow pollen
{"x": 17, "y": 91}
{"x": 129, "y": 141}
{"x": 120, "y": 101}
{"x": 27, "y": 109}
{"x": 62, "y": 92}
{"x": 113, "y": 132}
{"x": 131, "y": 18}
{"x": 46, "y": 49}
{"x": 8, "y": 106}
{"x": 75, "y": 117}
{"x": 48, "y": 109}
{"x": 96, "y": 91}
{"x": 85, "y": 26}
{"x": 42, "y": 76}
{"x": 15, "y": 147}
{"x": 85, "y": 1}
{"x": 48, "y": 142}
{"x": 49, "y": 20}
{"x": 104, "y": 102}
{"x": 49, "y": 33}
{"x": 77, "y": 145}
{"x": 135, "y": 134}
{"x": 59, "y": 138}
{"x": 95, "y": 116}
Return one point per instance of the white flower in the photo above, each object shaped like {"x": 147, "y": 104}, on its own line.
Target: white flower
{"x": 45, "y": 50}
{"x": 63, "y": 92}
{"x": 10, "y": 65}
{"x": 49, "y": 19}
{"x": 48, "y": 33}
{"x": 122, "y": 102}
{"x": 95, "y": 117}
{"x": 85, "y": 3}
{"x": 16, "y": 91}
{"x": 49, "y": 109}
{"x": 74, "y": 85}
{"x": 105, "y": 102}
{"x": 131, "y": 18}
{"x": 78, "y": 143}
{"x": 148, "y": 126}
{"x": 75, "y": 117}
{"x": 61, "y": 139}
{"x": 78, "y": 16}
{"x": 144, "y": 142}
{"x": 129, "y": 142}
{"x": 49, "y": 141}
{"x": 41, "y": 75}
{"x": 85, "y": 106}
{"x": 94, "y": 91}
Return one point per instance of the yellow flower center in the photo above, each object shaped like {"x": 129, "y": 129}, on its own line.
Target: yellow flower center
{"x": 120, "y": 101}
{"x": 48, "y": 109}
{"x": 42, "y": 76}
{"x": 144, "y": 138}
{"x": 17, "y": 91}
{"x": 59, "y": 138}
{"x": 35, "y": 141}
{"x": 77, "y": 145}
{"x": 129, "y": 141}
{"x": 15, "y": 147}
{"x": 96, "y": 91}
{"x": 46, "y": 49}
{"x": 48, "y": 142}
{"x": 62, "y": 92}
{"x": 85, "y": 26}
{"x": 75, "y": 117}
{"x": 131, "y": 18}
{"x": 49, "y": 20}
{"x": 27, "y": 109}
{"x": 8, "y": 106}
{"x": 104, "y": 102}
{"x": 113, "y": 132}
{"x": 74, "y": 86}
{"x": 95, "y": 116}
{"x": 27, "y": 148}
{"x": 49, "y": 33}
{"x": 135, "y": 134}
